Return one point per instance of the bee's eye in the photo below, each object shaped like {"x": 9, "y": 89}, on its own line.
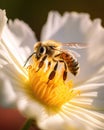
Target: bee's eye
{"x": 42, "y": 49}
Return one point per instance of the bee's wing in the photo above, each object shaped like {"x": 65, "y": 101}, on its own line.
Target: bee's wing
{"x": 74, "y": 53}
{"x": 70, "y": 46}
{"x": 75, "y": 45}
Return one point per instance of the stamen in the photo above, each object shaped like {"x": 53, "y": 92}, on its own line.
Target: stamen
{"x": 54, "y": 93}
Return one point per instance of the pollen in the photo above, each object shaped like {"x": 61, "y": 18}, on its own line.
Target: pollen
{"x": 52, "y": 93}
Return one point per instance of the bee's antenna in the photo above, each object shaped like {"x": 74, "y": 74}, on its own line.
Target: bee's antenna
{"x": 29, "y": 58}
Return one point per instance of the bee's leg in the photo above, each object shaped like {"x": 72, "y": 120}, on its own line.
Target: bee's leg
{"x": 49, "y": 64}
{"x": 65, "y": 66}
{"x": 52, "y": 74}
{"x": 41, "y": 62}
{"x": 65, "y": 71}
{"x": 57, "y": 55}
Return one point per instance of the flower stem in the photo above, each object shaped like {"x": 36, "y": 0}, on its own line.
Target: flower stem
{"x": 27, "y": 124}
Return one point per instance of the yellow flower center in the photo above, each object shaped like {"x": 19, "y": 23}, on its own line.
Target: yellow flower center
{"x": 54, "y": 93}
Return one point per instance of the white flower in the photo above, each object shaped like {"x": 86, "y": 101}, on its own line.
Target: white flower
{"x": 82, "y": 112}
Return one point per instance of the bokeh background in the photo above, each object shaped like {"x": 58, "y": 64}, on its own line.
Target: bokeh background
{"x": 34, "y": 12}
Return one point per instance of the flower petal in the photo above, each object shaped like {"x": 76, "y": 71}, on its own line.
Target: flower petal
{"x": 22, "y": 33}
{"x": 31, "y": 108}
{"x": 3, "y": 20}
{"x": 91, "y": 97}
{"x": 7, "y": 94}
{"x": 56, "y": 122}
{"x": 19, "y": 44}
{"x": 67, "y": 28}
{"x": 94, "y": 120}
{"x": 12, "y": 83}
{"x": 64, "y": 122}
{"x": 77, "y": 27}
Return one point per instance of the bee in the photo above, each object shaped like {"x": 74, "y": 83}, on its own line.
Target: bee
{"x": 54, "y": 51}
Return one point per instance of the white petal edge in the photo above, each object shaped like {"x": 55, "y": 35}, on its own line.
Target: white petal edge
{"x": 3, "y": 20}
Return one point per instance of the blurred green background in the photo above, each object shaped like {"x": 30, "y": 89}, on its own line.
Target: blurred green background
{"x": 34, "y": 12}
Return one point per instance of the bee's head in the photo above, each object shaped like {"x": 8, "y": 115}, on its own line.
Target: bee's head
{"x": 40, "y": 49}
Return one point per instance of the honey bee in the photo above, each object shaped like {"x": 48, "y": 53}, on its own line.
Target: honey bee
{"x": 54, "y": 51}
